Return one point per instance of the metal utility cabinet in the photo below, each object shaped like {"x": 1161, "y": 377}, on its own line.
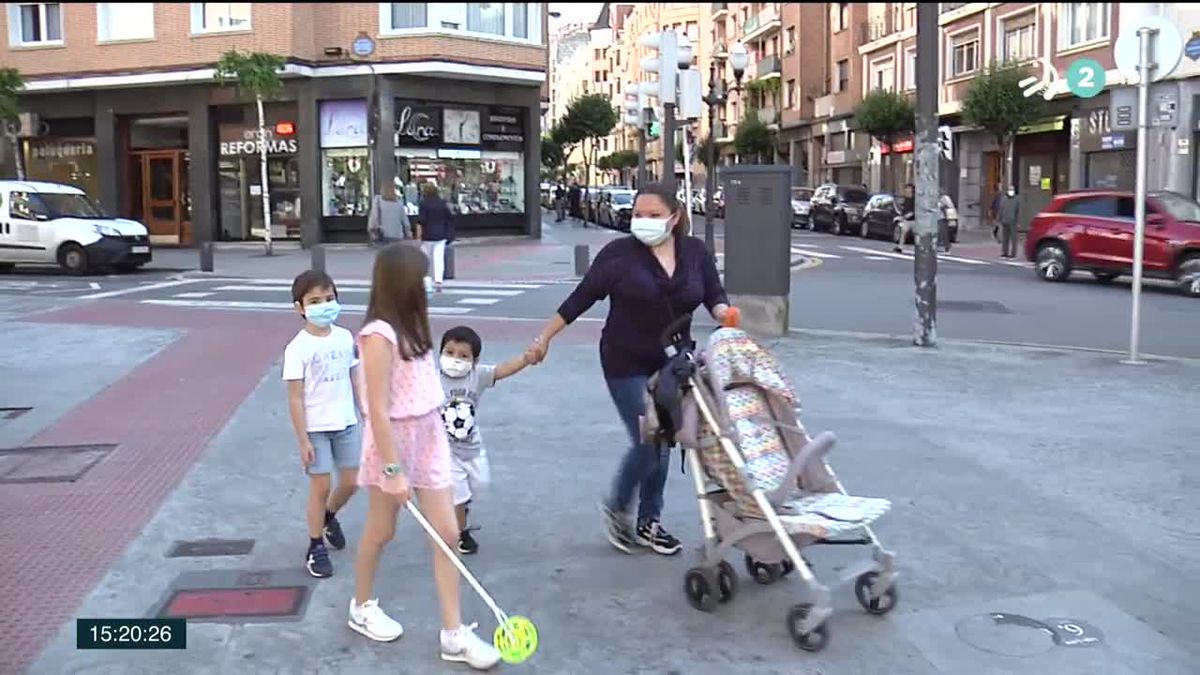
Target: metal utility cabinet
{"x": 758, "y": 238}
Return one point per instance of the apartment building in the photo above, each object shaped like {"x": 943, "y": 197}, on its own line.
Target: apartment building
{"x": 565, "y": 41}
{"x": 806, "y": 77}
{"x": 121, "y": 100}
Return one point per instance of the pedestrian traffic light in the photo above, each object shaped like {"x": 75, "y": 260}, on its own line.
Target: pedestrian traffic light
{"x": 946, "y": 143}
{"x": 666, "y": 64}
{"x": 634, "y": 110}
{"x": 655, "y": 129}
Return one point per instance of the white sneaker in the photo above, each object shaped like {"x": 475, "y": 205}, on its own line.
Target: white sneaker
{"x": 369, "y": 620}
{"x": 464, "y": 646}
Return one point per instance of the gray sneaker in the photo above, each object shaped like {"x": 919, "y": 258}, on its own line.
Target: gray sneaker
{"x": 618, "y": 529}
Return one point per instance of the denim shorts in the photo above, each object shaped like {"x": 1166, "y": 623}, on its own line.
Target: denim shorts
{"x": 342, "y": 448}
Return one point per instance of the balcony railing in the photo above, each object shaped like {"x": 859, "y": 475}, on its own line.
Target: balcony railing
{"x": 760, "y": 22}
{"x": 877, "y": 28}
{"x": 768, "y": 65}
{"x": 769, "y": 115}
{"x": 720, "y": 7}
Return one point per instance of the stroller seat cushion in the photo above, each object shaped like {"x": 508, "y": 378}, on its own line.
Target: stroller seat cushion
{"x": 827, "y": 515}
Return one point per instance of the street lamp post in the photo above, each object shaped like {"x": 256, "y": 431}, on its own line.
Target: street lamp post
{"x": 715, "y": 98}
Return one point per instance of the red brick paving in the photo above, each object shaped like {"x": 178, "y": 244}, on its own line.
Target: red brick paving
{"x": 162, "y": 415}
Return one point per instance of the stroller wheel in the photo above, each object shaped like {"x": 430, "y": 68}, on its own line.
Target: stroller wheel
{"x": 701, "y": 586}
{"x": 726, "y": 581}
{"x": 880, "y": 605}
{"x": 812, "y": 641}
{"x": 764, "y": 573}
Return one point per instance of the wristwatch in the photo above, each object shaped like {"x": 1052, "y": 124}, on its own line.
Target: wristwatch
{"x": 390, "y": 470}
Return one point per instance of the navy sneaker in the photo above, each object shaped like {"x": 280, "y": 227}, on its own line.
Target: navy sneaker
{"x": 652, "y": 535}
{"x": 466, "y": 542}
{"x": 616, "y": 525}
{"x": 333, "y": 533}
{"x": 318, "y": 563}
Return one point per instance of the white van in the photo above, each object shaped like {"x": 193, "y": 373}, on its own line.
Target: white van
{"x": 49, "y": 223}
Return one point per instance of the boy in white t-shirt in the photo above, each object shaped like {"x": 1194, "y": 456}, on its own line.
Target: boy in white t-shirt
{"x": 320, "y": 366}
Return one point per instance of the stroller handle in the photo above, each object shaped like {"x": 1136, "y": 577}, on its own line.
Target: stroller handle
{"x": 675, "y": 328}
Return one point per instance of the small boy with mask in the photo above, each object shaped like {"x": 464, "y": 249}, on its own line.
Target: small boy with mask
{"x": 320, "y": 367}
{"x": 464, "y": 381}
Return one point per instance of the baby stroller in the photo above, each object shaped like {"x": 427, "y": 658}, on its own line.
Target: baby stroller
{"x": 734, "y": 409}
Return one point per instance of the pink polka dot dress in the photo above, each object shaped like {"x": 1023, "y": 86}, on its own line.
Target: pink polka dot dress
{"x": 414, "y": 402}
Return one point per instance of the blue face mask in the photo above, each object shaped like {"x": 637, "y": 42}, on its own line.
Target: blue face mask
{"x": 324, "y": 314}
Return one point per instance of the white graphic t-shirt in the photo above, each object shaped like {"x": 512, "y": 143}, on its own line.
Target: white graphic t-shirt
{"x": 324, "y": 364}
{"x": 459, "y": 413}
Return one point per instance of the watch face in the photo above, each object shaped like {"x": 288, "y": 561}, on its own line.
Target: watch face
{"x": 461, "y": 126}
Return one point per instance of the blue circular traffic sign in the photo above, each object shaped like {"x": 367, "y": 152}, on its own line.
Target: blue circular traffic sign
{"x": 363, "y": 46}
{"x": 1085, "y": 78}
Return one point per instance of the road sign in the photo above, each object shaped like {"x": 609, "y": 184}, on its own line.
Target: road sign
{"x": 363, "y": 46}
{"x": 1167, "y": 48}
{"x": 1192, "y": 48}
{"x": 1085, "y": 78}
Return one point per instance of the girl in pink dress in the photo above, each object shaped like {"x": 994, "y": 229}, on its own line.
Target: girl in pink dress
{"x": 405, "y": 446}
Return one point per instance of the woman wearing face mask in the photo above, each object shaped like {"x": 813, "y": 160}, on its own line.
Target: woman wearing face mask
{"x": 650, "y": 278}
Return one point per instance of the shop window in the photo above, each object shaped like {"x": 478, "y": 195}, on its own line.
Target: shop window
{"x": 1082, "y": 22}
{"x": 67, "y": 161}
{"x": 408, "y": 15}
{"x": 124, "y": 21}
{"x": 37, "y": 23}
{"x": 485, "y": 17}
{"x": 964, "y": 53}
{"x": 215, "y": 17}
{"x": 492, "y": 184}
{"x": 345, "y": 181}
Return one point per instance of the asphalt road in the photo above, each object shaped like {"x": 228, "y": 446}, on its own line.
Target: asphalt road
{"x": 848, "y": 285}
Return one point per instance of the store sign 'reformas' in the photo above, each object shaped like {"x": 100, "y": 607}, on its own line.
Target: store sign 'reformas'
{"x": 249, "y": 145}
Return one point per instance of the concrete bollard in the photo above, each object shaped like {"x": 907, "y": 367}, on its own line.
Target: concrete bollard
{"x": 318, "y": 257}
{"x": 206, "y": 256}
{"x": 582, "y": 259}
{"x": 448, "y": 262}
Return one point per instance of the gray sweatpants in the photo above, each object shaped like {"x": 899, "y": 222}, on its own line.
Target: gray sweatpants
{"x": 1008, "y": 239}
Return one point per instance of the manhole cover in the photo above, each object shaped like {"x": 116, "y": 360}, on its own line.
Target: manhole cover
{"x": 1018, "y": 635}
{"x": 233, "y": 603}
{"x": 983, "y": 306}
{"x": 50, "y": 463}
{"x": 201, "y": 548}
{"x": 12, "y": 413}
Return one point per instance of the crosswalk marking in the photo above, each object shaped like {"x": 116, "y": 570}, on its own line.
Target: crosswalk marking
{"x": 816, "y": 254}
{"x": 871, "y": 251}
{"x": 478, "y": 301}
{"x": 447, "y": 291}
{"x": 198, "y": 294}
{"x": 449, "y": 283}
{"x": 276, "y": 306}
{"x": 874, "y": 257}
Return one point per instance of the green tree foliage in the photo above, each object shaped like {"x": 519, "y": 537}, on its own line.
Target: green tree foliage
{"x": 589, "y": 118}
{"x": 11, "y": 85}
{"x": 552, "y": 153}
{"x": 886, "y": 115}
{"x": 753, "y": 139}
{"x": 995, "y": 102}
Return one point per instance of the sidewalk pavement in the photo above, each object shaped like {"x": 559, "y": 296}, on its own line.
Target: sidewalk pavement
{"x": 500, "y": 258}
{"x": 1020, "y": 483}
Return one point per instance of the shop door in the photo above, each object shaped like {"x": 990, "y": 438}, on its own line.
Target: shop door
{"x": 1035, "y": 172}
{"x": 161, "y": 194}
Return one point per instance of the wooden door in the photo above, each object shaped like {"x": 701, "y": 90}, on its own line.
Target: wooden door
{"x": 161, "y": 207}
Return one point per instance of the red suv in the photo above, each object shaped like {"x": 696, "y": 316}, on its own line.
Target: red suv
{"x": 1093, "y": 230}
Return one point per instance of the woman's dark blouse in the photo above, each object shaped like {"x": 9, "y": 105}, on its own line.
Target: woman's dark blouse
{"x": 642, "y": 300}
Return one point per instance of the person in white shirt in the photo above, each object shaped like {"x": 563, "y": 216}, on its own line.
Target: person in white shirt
{"x": 320, "y": 366}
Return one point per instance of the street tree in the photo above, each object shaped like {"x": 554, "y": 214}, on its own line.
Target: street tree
{"x": 623, "y": 161}
{"x": 11, "y": 84}
{"x": 753, "y": 138}
{"x": 566, "y": 138}
{"x": 995, "y": 102}
{"x": 256, "y": 75}
{"x": 590, "y": 118}
{"x": 552, "y": 154}
{"x": 886, "y": 115}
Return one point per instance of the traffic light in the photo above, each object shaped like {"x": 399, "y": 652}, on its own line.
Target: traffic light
{"x": 655, "y": 129}
{"x": 634, "y": 110}
{"x": 946, "y": 143}
{"x": 666, "y": 64}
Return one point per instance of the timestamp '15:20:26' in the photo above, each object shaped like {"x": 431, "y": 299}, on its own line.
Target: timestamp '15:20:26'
{"x": 131, "y": 634}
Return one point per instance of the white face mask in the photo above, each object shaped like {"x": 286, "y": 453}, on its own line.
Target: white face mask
{"x": 455, "y": 368}
{"x": 1012, "y": 193}
{"x": 650, "y": 231}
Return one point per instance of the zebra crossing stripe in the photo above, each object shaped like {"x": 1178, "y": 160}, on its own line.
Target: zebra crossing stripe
{"x": 871, "y": 251}
{"x": 448, "y": 291}
{"x": 276, "y": 306}
{"x": 816, "y": 254}
{"x": 449, "y": 283}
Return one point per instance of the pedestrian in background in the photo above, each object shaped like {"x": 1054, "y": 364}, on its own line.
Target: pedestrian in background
{"x": 947, "y": 216}
{"x": 907, "y": 213}
{"x": 435, "y": 227}
{"x": 320, "y": 366}
{"x": 1007, "y": 213}
{"x": 388, "y": 220}
{"x": 574, "y": 196}
{"x": 993, "y": 212}
{"x": 560, "y": 203}
{"x": 649, "y": 278}
{"x": 405, "y": 447}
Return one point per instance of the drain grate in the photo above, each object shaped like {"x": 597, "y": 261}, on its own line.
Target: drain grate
{"x": 217, "y": 604}
{"x": 12, "y": 413}
{"x": 982, "y": 306}
{"x": 203, "y": 548}
{"x": 50, "y": 463}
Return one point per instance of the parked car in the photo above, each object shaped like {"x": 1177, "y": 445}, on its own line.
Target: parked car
{"x": 1094, "y": 231}
{"x": 837, "y": 208}
{"x": 801, "y": 205}
{"x": 50, "y": 223}
{"x": 616, "y": 209}
{"x": 881, "y": 217}
{"x": 698, "y": 204}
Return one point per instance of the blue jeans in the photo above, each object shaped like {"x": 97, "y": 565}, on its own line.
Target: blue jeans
{"x": 644, "y": 466}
